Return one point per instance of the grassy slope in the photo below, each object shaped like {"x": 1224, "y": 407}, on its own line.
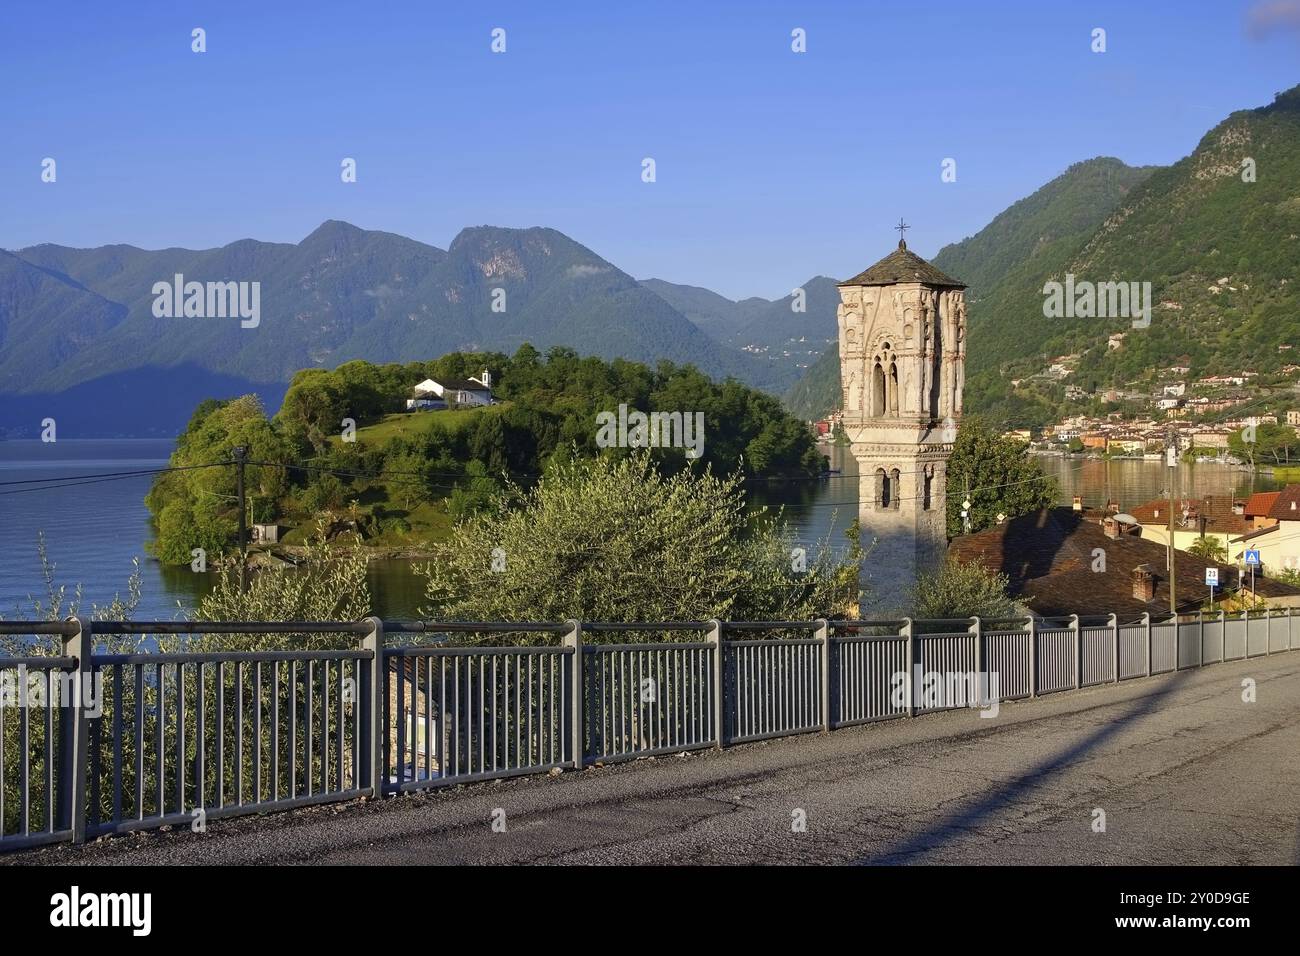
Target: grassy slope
{"x": 429, "y": 521}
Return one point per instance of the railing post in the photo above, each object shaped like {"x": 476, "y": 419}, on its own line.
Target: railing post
{"x": 1200, "y": 654}
{"x": 1223, "y": 636}
{"x": 75, "y": 728}
{"x": 374, "y": 734}
{"x": 911, "y": 663}
{"x": 1113, "y": 622}
{"x": 1268, "y": 632}
{"x": 1146, "y": 622}
{"x": 1290, "y": 628}
{"x": 1033, "y": 656}
{"x": 976, "y": 629}
{"x": 1245, "y": 630}
{"x": 823, "y": 634}
{"x": 573, "y": 638}
{"x": 1078, "y": 651}
{"x": 714, "y": 637}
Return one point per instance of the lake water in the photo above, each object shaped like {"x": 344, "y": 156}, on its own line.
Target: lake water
{"x": 93, "y": 530}
{"x": 1132, "y": 482}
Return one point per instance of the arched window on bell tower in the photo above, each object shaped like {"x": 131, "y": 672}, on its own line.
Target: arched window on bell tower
{"x": 896, "y": 488}
{"x": 884, "y": 384}
{"x": 883, "y": 495}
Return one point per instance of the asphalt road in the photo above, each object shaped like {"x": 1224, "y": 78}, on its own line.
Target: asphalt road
{"x": 1184, "y": 770}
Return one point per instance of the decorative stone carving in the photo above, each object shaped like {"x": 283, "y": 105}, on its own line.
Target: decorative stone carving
{"x": 906, "y": 317}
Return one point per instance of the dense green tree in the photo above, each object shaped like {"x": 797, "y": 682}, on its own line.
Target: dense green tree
{"x": 1273, "y": 444}
{"x": 962, "y": 590}
{"x": 998, "y": 476}
{"x": 196, "y": 506}
{"x": 617, "y": 540}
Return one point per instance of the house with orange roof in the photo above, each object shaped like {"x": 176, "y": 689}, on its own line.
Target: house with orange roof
{"x": 1277, "y": 539}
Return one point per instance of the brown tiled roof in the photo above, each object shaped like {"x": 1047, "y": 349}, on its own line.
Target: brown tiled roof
{"x": 903, "y": 266}
{"x": 1216, "y": 508}
{"x": 1287, "y": 505}
{"x": 1260, "y": 503}
{"x": 1048, "y": 555}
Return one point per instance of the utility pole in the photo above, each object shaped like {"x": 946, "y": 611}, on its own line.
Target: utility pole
{"x": 241, "y": 455}
{"x": 1171, "y": 459}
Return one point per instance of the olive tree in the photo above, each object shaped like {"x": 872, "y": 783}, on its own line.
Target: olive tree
{"x": 616, "y": 540}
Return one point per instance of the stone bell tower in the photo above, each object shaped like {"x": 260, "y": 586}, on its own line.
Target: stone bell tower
{"x": 902, "y": 328}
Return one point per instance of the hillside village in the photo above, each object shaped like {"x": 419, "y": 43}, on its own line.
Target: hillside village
{"x": 1137, "y": 420}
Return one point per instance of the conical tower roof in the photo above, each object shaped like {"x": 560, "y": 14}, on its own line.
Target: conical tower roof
{"x": 902, "y": 265}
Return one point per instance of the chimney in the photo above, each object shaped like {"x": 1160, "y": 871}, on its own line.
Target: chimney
{"x": 1144, "y": 583}
{"x": 1078, "y": 502}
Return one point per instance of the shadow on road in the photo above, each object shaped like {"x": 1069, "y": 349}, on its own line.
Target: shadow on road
{"x": 975, "y": 814}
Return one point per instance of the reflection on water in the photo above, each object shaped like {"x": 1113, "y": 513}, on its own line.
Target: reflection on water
{"x": 818, "y": 511}
{"x": 1132, "y": 482}
{"x": 396, "y": 587}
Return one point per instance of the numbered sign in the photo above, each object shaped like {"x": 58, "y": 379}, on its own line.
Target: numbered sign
{"x": 1212, "y": 577}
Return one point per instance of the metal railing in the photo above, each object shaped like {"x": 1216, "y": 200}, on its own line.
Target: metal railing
{"x": 97, "y": 743}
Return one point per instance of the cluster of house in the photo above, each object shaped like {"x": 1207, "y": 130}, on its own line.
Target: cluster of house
{"x": 451, "y": 393}
{"x": 1079, "y": 560}
{"x": 1113, "y": 435}
{"x": 1174, "y": 402}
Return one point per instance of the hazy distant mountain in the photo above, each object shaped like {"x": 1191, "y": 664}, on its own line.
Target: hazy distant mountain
{"x": 71, "y": 317}
{"x": 786, "y": 340}
{"x": 713, "y": 314}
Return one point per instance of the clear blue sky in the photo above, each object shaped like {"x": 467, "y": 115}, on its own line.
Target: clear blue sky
{"x": 772, "y": 166}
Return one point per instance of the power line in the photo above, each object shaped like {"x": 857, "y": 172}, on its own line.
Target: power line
{"x": 114, "y": 474}
{"x": 52, "y": 484}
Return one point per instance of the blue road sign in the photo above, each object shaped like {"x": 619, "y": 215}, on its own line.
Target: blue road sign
{"x": 1252, "y": 557}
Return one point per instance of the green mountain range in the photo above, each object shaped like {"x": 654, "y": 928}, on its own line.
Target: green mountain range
{"x": 85, "y": 319}
{"x": 1217, "y": 235}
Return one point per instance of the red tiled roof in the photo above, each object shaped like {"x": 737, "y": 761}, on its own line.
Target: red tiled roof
{"x": 1287, "y": 505}
{"x": 1260, "y": 503}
